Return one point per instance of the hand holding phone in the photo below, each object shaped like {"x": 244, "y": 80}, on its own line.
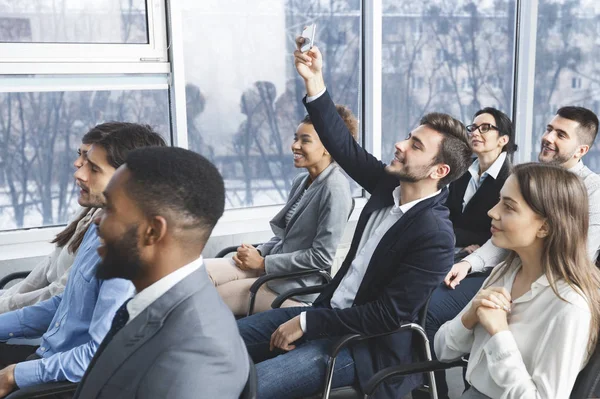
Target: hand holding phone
{"x": 309, "y": 37}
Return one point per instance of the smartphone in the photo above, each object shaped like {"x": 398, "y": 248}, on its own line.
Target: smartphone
{"x": 309, "y": 37}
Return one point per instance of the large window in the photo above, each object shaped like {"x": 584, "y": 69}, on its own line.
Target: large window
{"x": 73, "y": 21}
{"x": 94, "y": 31}
{"x": 566, "y": 68}
{"x": 40, "y": 133}
{"x": 242, "y": 91}
{"x": 452, "y": 57}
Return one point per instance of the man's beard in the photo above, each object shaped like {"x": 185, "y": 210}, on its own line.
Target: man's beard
{"x": 410, "y": 176}
{"x": 557, "y": 159}
{"x": 122, "y": 258}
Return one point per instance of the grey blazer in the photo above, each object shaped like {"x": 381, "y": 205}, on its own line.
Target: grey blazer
{"x": 311, "y": 238}
{"x": 184, "y": 345}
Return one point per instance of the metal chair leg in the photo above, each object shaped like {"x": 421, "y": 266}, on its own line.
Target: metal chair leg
{"x": 329, "y": 377}
{"x": 251, "y": 304}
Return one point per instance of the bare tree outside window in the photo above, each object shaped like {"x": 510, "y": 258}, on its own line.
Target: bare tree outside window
{"x": 445, "y": 56}
{"x": 39, "y": 137}
{"x": 74, "y": 21}
{"x": 247, "y": 111}
{"x": 566, "y": 70}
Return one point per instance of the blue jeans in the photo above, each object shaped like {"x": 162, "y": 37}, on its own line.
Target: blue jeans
{"x": 299, "y": 372}
{"x": 446, "y": 304}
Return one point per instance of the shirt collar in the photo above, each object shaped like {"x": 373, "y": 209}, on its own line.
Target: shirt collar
{"x": 493, "y": 170}
{"x": 147, "y": 296}
{"x": 406, "y": 207}
{"x": 577, "y": 167}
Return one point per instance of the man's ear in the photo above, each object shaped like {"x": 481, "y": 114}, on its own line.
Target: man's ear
{"x": 155, "y": 231}
{"x": 581, "y": 151}
{"x": 441, "y": 170}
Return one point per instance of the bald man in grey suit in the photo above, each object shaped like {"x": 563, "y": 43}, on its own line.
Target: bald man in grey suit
{"x": 175, "y": 338}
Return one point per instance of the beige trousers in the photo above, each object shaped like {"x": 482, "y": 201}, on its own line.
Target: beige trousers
{"x": 233, "y": 284}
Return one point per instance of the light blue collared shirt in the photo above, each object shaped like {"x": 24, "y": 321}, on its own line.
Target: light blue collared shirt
{"x": 72, "y": 325}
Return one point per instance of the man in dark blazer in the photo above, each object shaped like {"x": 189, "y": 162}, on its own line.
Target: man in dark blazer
{"x": 175, "y": 338}
{"x": 402, "y": 247}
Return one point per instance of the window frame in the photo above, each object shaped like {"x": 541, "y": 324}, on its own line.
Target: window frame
{"x": 155, "y": 51}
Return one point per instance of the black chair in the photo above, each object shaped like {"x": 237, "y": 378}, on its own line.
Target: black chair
{"x": 250, "y": 388}
{"x": 587, "y": 384}
{"x": 13, "y": 276}
{"x": 421, "y": 349}
{"x": 44, "y": 390}
{"x": 56, "y": 388}
{"x": 324, "y": 274}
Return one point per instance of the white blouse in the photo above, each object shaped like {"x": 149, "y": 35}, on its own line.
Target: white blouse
{"x": 541, "y": 354}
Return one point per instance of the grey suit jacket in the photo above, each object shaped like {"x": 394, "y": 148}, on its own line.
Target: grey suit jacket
{"x": 310, "y": 239}
{"x": 184, "y": 345}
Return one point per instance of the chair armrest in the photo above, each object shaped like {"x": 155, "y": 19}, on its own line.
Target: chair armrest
{"x": 43, "y": 390}
{"x": 281, "y": 276}
{"x": 13, "y": 276}
{"x": 315, "y": 289}
{"x": 286, "y": 276}
{"x": 349, "y": 338}
{"x": 228, "y": 250}
{"x": 406, "y": 369}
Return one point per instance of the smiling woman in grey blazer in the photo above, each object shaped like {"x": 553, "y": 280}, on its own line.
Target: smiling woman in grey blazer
{"x": 307, "y": 230}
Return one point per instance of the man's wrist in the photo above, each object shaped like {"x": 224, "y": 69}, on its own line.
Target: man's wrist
{"x": 10, "y": 374}
{"x": 314, "y": 85}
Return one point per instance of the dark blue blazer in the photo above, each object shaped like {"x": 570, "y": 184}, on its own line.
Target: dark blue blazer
{"x": 411, "y": 260}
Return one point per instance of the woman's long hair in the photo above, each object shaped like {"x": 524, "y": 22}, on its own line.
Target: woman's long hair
{"x": 560, "y": 197}
{"x": 65, "y": 236}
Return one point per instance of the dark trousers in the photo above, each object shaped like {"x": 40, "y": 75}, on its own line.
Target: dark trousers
{"x": 11, "y": 354}
{"x": 446, "y": 304}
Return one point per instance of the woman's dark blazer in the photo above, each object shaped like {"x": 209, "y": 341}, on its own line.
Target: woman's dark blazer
{"x": 473, "y": 225}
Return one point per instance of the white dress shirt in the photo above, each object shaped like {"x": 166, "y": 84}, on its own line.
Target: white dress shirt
{"x": 490, "y": 255}
{"x": 379, "y": 223}
{"x": 541, "y": 353}
{"x": 476, "y": 180}
{"x": 146, "y": 297}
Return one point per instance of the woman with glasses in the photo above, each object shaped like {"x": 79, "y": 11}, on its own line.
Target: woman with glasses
{"x": 475, "y": 193}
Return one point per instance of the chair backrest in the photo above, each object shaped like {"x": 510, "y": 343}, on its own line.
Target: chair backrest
{"x": 587, "y": 384}
{"x": 249, "y": 391}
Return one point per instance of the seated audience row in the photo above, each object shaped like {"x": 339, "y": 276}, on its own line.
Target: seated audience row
{"x": 530, "y": 324}
{"x": 568, "y": 137}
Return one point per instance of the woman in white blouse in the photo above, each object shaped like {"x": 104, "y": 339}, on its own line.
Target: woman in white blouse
{"x": 534, "y": 323}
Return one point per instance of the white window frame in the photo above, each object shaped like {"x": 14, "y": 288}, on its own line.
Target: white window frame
{"x": 155, "y": 51}
{"x": 524, "y": 78}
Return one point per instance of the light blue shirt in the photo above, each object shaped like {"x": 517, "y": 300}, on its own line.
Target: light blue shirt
{"x": 476, "y": 180}
{"x": 72, "y": 325}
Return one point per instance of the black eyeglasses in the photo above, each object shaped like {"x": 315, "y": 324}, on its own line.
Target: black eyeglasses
{"x": 483, "y": 128}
